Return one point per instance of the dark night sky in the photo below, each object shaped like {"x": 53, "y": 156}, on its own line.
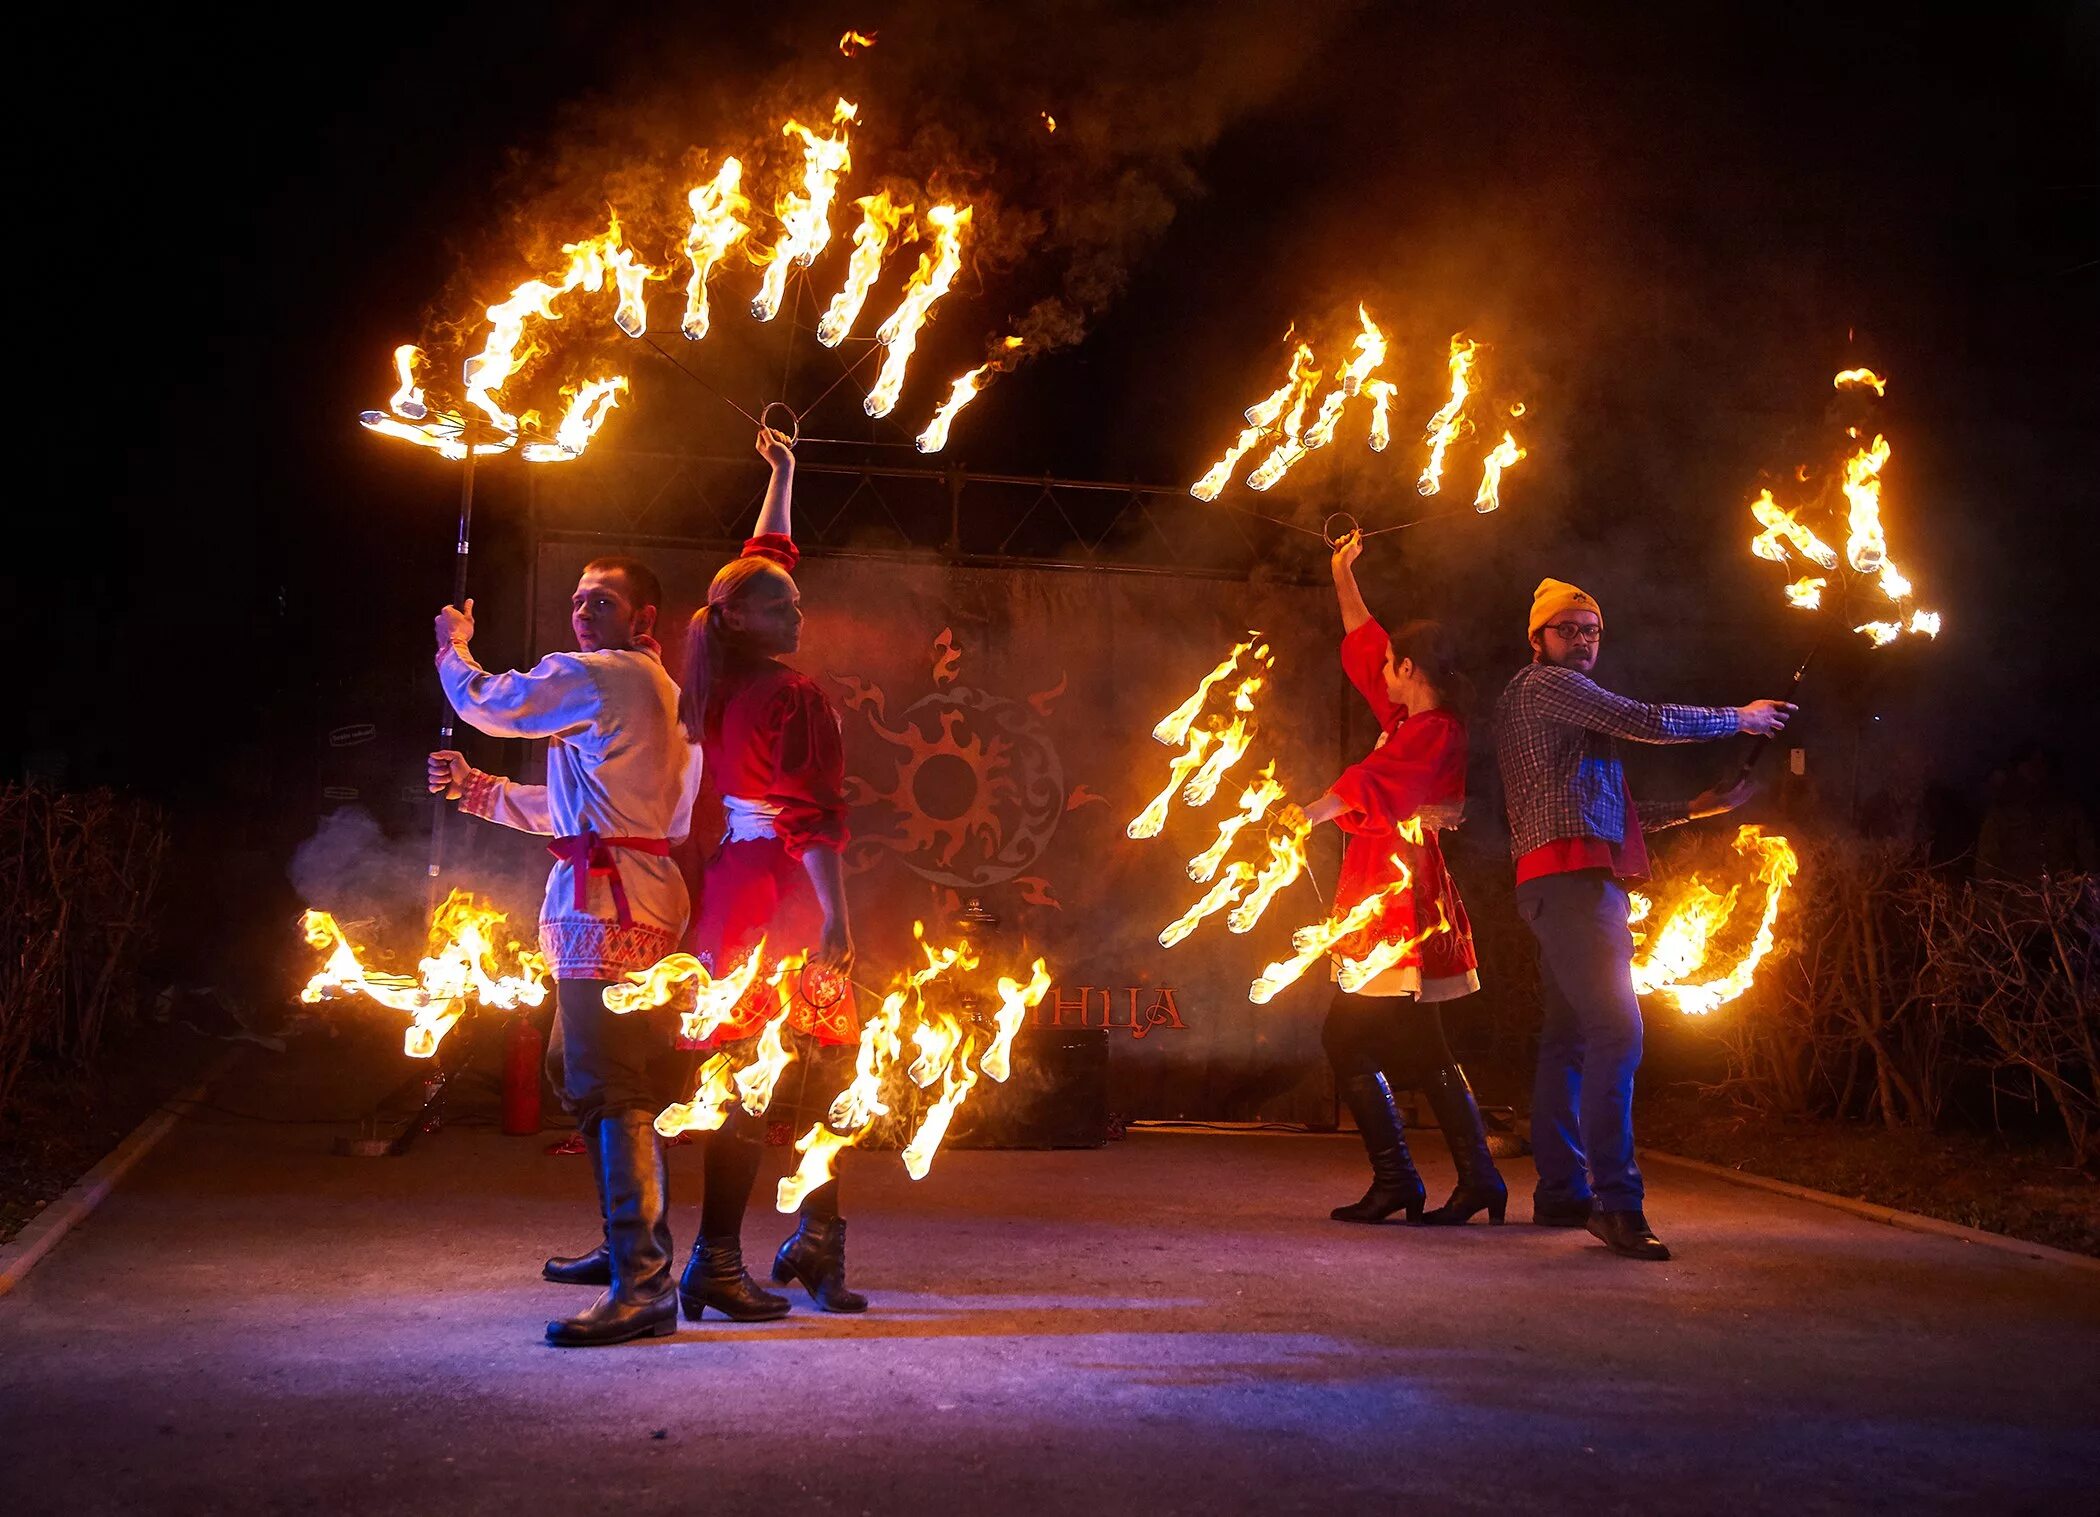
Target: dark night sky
{"x": 1668, "y": 219}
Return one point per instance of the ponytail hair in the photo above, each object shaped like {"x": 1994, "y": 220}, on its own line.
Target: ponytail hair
{"x": 712, "y": 647}
{"x": 1434, "y": 651}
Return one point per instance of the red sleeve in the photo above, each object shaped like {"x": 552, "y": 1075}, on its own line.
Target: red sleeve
{"x": 1424, "y": 761}
{"x": 774, "y": 547}
{"x": 1363, "y": 660}
{"x": 809, "y": 770}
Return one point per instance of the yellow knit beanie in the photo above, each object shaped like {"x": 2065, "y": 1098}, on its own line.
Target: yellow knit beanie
{"x": 1552, "y": 597}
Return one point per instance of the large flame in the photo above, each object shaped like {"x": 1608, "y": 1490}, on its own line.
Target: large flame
{"x": 715, "y": 1000}
{"x": 407, "y": 400}
{"x": 718, "y": 209}
{"x": 1311, "y": 944}
{"x": 1863, "y": 379}
{"x": 1016, "y": 999}
{"x": 1365, "y": 355}
{"x": 1285, "y": 863}
{"x": 1866, "y": 547}
{"x": 1261, "y": 416}
{"x": 1783, "y": 532}
{"x": 463, "y": 960}
{"x": 1381, "y": 393}
{"x": 1681, "y": 946}
{"x": 1505, "y": 453}
{"x": 1147, "y": 823}
{"x": 1290, "y": 447}
{"x": 1173, "y": 728}
{"x": 960, "y": 394}
{"x": 1355, "y": 974}
{"x": 1216, "y": 899}
{"x": 879, "y": 220}
{"x": 1450, "y": 420}
{"x": 1806, "y": 593}
{"x": 899, "y": 335}
{"x": 589, "y": 404}
{"x": 958, "y": 1079}
{"x": 1234, "y": 737}
{"x": 1255, "y": 802}
{"x": 805, "y": 212}
{"x": 713, "y": 1094}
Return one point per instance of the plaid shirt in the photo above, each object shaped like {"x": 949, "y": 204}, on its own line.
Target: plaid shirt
{"x": 1556, "y": 738}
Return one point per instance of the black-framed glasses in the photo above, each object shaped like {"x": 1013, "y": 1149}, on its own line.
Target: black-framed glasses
{"x": 1577, "y": 631}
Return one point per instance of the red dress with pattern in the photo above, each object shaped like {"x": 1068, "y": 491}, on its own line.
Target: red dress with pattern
{"x": 776, "y": 757}
{"x": 1418, "y": 769}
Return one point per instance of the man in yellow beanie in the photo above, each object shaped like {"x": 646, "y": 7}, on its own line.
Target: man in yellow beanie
{"x": 1575, "y": 833}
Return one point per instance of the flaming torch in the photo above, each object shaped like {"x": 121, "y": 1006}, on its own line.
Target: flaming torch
{"x": 1450, "y": 420}
{"x": 879, "y": 220}
{"x": 1505, "y": 453}
{"x": 718, "y": 209}
{"x": 1311, "y": 944}
{"x": 1261, "y": 416}
{"x": 1680, "y": 946}
{"x": 962, "y": 392}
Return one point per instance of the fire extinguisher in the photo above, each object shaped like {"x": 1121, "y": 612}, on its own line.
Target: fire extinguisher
{"x": 521, "y": 1078}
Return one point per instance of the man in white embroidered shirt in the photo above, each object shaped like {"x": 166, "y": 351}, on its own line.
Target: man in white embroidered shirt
{"x": 620, "y": 786}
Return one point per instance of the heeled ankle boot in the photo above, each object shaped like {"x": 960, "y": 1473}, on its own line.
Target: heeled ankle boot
{"x": 640, "y": 1299}
{"x": 1627, "y": 1234}
{"x": 594, "y": 1267}
{"x": 1480, "y": 1186}
{"x": 715, "y": 1275}
{"x": 816, "y": 1254}
{"x": 1394, "y": 1184}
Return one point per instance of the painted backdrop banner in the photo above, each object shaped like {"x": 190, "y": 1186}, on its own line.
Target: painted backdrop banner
{"x": 998, "y": 725}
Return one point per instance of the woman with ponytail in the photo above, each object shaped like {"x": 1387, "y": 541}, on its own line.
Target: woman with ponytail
{"x": 774, "y": 754}
{"x": 1389, "y": 1031}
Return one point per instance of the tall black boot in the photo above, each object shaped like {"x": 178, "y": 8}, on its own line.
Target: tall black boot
{"x": 640, "y": 1300}
{"x": 1394, "y": 1184}
{"x": 1480, "y": 1186}
{"x": 715, "y": 1275}
{"x": 816, "y": 1253}
{"x": 595, "y": 1267}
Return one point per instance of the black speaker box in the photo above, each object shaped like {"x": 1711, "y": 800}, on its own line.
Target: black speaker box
{"x": 1056, "y": 1097}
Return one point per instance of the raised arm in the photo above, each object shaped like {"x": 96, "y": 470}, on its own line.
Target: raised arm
{"x": 775, "y": 517}
{"x": 555, "y": 696}
{"x": 1346, "y": 552}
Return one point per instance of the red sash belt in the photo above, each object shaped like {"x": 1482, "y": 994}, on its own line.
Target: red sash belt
{"x": 588, "y": 854}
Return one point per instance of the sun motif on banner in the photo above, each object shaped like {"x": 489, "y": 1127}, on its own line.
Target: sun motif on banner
{"x": 966, "y": 788}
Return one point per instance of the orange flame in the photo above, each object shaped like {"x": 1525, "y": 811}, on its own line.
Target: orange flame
{"x": 879, "y": 220}
{"x": 960, "y": 394}
{"x": 1355, "y": 974}
{"x": 462, "y": 961}
{"x": 820, "y": 1148}
{"x": 1782, "y": 532}
{"x": 1216, "y": 899}
{"x": 1173, "y": 729}
{"x": 1261, "y": 416}
{"x": 1862, "y": 379}
{"x": 715, "y": 1000}
{"x": 1255, "y": 802}
{"x": 1285, "y": 863}
{"x": 1049, "y": 121}
{"x": 591, "y": 403}
{"x": 1450, "y": 420}
{"x": 713, "y": 1094}
{"x": 1926, "y": 623}
{"x": 899, "y": 335}
{"x": 1311, "y": 944}
{"x": 957, "y": 1081}
{"x": 1806, "y": 592}
{"x": 1016, "y": 1000}
{"x": 1866, "y": 547}
{"x": 1506, "y": 452}
{"x": 1680, "y": 947}
{"x": 854, "y": 42}
{"x": 408, "y": 399}
{"x": 1147, "y": 823}
{"x": 442, "y": 437}
{"x": 718, "y": 210}
{"x": 1290, "y": 447}
{"x": 1381, "y": 393}
{"x": 1367, "y": 354}
{"x": 805, "y": 213}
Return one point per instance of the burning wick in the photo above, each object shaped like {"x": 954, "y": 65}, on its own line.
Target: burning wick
{"x": 855, "y": 42}
{"x": 1049, "y": 120}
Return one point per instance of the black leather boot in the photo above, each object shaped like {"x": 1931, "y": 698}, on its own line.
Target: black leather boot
{"x": 1548, "y": 1212}
{"x": 715, "y": 1275}
{"x": 1480, "y": 1186}
{"x": 1394, "y": 1184}
{"x": 595, "y": 1267}
{"x": 639, "y": 1300}
{"x": 1627, "y": 1234}
{"x": 816, "y": 1254}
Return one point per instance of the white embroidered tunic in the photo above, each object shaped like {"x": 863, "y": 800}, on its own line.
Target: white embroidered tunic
{"x": 618, "y": 766}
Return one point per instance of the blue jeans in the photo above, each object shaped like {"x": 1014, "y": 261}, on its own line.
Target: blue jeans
{"x": 1589, "y": 1042}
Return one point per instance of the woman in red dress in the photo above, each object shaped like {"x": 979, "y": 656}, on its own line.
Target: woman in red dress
{"x": 774, "y": 755}
{"x": 1388, "y": 1030}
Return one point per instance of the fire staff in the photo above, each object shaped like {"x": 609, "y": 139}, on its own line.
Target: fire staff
{"x": 619, "y": 793}
{"x": 1391, "y": 804}
{"x": 776, "y": 757}
{"x": 1576, "y": 835}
